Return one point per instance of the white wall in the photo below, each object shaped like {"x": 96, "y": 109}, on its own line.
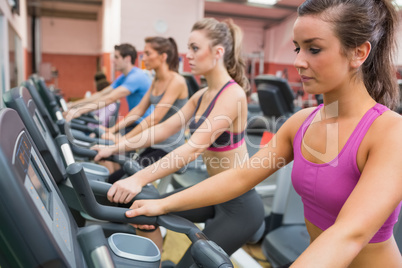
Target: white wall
{"x": 68, "y": 36}
{"x": 111, "y": 24}
{"x": 19, "y": 24}
{"x": 279, "y": 43}
{"x": 138, "y": 20}
{"x": 253, "y": 34}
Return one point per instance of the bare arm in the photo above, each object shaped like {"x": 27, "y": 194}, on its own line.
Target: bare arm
{"x": 219, "y": 120}
{"x": 153, "y": 135}
{"x": 215, "y": 189}
{"x": 101, "y": 102}
{"x": 376, "y": 195}
{"x": 172, "y": 93}
{"x": 133, "y": 115}
{"x": 93, "y": 98}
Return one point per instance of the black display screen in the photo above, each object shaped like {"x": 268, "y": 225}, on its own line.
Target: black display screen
{"x": 39, "y": 184}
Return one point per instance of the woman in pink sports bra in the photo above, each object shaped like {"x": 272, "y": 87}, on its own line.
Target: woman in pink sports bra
{"x": 347, "y": 152}
{"x": 217, "y": 118}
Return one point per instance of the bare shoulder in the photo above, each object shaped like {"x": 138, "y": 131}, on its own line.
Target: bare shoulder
{"x": 300, "y": 116}
{"x": 178, "y": 79}
{"x": 178, "y": 82}
{"x": 233, "y": 93}
{"x": 292, "y": 125}
{"x": 196, "y": 96}
{"x": 387, "y": 127}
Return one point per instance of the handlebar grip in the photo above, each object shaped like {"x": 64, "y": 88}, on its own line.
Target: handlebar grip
{"x": 87, "y": 199}
{"x": 131, "y": 167}
{"x": 98, "y": 131}
{"x": 101, "y": 188}
{"x": 88, "y": 119}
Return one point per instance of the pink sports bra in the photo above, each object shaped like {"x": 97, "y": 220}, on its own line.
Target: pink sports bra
{"x": 324, "y": 188}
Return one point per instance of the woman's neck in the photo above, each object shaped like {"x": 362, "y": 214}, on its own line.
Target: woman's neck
{"x": 353, "y": 100}
{"x": 216, "y": 78}
{"x": 162, "y": 74}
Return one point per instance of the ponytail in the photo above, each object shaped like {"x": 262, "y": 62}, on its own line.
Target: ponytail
{"x": 379, "y": 71}
{"x": 230, "y": 37}
{"x": 168, "y": 46}
{"x": 173, "y": 62}
{"x": 233, "y": 59}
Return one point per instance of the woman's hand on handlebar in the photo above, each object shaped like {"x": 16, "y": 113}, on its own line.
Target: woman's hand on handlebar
{"x": 147, "y": 208}
{"x": 123, "y": 191}
{"x": 111, "y": 136}
{"x": 71, "y": 114}
{"x": 103, "y": 151}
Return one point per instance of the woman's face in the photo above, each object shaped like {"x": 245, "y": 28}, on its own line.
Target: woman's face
{"x": 152, "y": 59}
{"x": 320, "y": 62}
{"x": 200, "y": 54}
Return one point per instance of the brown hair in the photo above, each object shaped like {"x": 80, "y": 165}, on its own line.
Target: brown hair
{"x": 230, "y": 36}
{"x": 127, "y": 50}
{"x": 356, "y": 22}
{"x": 168, "y": 46}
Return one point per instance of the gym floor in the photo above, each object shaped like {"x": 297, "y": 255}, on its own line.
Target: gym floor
{"x": 176, "y": 244}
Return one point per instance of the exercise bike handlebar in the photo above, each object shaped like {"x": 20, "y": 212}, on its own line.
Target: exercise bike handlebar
{"x": 87, "y": 199}
{"x": 205, "y": 252}
{"x": 65, "y": 128}
{"x": 86, "y": 152}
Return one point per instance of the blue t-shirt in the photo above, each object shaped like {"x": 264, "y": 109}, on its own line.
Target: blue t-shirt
{"x": 138, "y": 83}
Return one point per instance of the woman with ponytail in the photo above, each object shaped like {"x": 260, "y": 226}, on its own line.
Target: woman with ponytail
{"x": 168, "y": 94}
{"x": 216, "y": 117}
{"x": 346, "y": 152}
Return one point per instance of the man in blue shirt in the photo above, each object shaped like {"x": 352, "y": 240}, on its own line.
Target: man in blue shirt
{"x": 133, "y": 83}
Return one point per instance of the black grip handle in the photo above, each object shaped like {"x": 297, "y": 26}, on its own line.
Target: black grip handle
{"x": 206, "y": 253}
{"x": 88, "y": 119}
{"x": 87, "y": 199}
{"x": 75, "y": 124}
{"x": 209, "y": 251}
{"x": 65, "y": 129}
{"x": 98, "y": 131}
{"x": 131, "y": 167}
{"x": 101, "y": 188}
{"x": 85, "y": 152}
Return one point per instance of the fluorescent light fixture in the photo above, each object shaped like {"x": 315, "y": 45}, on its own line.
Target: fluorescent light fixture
{"x": 263, "y": 2}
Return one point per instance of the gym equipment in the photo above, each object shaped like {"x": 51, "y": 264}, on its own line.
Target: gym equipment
{"x": 79, "y": 125}
{"x": 276, "y": 100}
{"x": 79, "y": 136}
{"x": 287, "y": 235}
{"x": 192, "y": 84}
{"x": 20, "y": 100}
{"x": 51, "y": 238}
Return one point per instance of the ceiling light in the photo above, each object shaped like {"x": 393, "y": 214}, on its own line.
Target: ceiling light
{"x": 263, "y": 2}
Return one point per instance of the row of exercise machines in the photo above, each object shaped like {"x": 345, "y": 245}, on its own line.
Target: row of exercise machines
{"x": 35, "y": 144}
{"x": 44, "y": 192}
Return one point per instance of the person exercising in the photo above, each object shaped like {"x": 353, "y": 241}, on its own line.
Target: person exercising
{"x": 346, "y": 152}
{"x": 217, "y": 118}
